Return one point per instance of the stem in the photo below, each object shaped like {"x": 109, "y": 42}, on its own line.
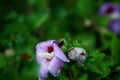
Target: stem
{"x": 70, "y": 72}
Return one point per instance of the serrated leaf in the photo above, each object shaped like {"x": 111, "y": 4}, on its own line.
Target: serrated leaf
{"x": 97, "y": 63}
{"x": 93, "y": 68}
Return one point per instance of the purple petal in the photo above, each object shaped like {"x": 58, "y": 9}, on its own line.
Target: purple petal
{"x": 55, "y": 66}
{"x": 118, "y": 8}
{"x": 45, "y": 44}
{"x": 44, "y": 69}
{"x": 39, "y": 49}
{"x": 115, "y": 26}
{"x": 59, "y": 53}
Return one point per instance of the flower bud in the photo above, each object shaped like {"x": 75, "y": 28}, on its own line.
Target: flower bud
{"x": 78, "y": 54}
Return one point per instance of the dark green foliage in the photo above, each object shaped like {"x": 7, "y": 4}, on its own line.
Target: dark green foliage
{"x": 96, "y": 67}
{"x": 24, "y": 23}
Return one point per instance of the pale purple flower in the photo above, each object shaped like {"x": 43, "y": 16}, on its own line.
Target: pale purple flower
{"x": 113, "y": 12}
{"x": 110, "y": 10}
{"x": 114, "y": 25}
{"x": 50, "y": 57}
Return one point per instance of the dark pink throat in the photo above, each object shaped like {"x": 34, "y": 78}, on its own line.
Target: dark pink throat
{"x": 50, "y": 49}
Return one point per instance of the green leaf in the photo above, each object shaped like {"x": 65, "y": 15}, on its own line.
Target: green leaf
{"x": 98, "y": 63}
{"x": 3, "y": 61}
{"x": 93, "y": 68}
{"x": 115, "y": 50}
{"x": 102, "y": 21}
{"x": 36, "y": 20}
{"x": 30, "y": 72}
{"x": 84, "y": 7}
{"x": 41, "y": 20}
{"x": 83, "y": 77}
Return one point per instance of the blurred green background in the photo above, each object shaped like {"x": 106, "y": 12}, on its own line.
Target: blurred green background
{"x": 24, "y": 23}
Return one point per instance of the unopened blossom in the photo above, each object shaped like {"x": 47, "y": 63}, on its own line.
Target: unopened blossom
{"x": 50, "y": 57}
{"x": 78, "y": 54}
{"x": 114, "y": 26}
{"x": 110, "y": 10}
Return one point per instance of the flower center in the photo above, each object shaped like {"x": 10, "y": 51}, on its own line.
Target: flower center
{"x": 47, "y": 55}
{"x": 50, "y": 49}
{"x": 110, "y": 10}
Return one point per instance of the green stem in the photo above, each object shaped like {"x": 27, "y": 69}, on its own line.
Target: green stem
{"x": 70, "y": 72}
